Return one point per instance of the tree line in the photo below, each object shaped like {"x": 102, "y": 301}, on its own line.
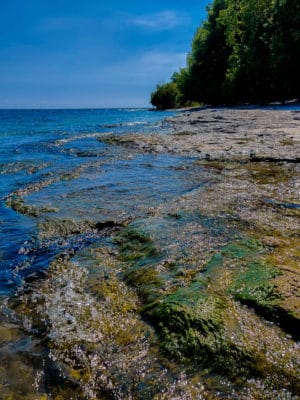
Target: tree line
{"x": 246, "y": 51}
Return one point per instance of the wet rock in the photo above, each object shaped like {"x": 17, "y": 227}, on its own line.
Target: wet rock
{"x": 196, "y": 323}
{"x": 96, "y": 335}
{"x": 191, "y": 329}
{"x": 55, "y": 227}
{"x": 33, "y": 187}
{"x": 135, "y": 245}
{"x": 18, "y": 204}
{"x": 254, "y": 282}
{"x": 8, "y": 332}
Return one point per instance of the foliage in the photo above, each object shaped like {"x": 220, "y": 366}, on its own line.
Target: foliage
{"x": 245, "y": 51}
{"x": 165, "y": 96}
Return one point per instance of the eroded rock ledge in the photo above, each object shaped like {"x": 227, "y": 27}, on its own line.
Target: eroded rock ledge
{"x": 224, "y": 134}
{"x": 204, "y": 288}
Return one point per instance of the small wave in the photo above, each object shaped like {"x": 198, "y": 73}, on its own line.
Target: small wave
{"x": 122, "y": 124}
{"x": 133, "y": 109}
{"x": 134, "y": 123}
{"x": 73, "y": 138}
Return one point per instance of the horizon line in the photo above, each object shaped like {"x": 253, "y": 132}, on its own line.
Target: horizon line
{"x": 75, "y": 108}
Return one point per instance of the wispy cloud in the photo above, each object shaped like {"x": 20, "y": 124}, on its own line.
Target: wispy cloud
{"x": 159, "y": 21}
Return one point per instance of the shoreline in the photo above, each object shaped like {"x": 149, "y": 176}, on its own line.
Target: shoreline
{"x": 176, "y": 268}
{"x": 223, "y": 134}
{"x": 275, "y": 105}
{"x": 253, "y": 158}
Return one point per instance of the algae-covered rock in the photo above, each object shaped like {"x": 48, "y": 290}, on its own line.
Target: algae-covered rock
{"x": 256, "y": 287}
{"x": 244, "y": 249}
{"x": 190, "y": 324}
{"x": 242, "y": 270}
{"x": 135, "y": 245}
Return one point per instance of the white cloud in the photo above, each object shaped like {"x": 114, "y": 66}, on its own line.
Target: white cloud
{"x": 160, "y": 21}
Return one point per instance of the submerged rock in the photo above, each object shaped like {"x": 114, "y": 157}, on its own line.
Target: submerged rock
{"x": 199, "y": 324}
{"x": 55, "y": 227}
{"x": 191, "y": 328}
{"x": 18, "y": 204}
{"x": 196, "y": 297}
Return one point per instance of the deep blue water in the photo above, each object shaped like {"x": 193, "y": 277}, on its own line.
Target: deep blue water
{"x": 53, "y": 159}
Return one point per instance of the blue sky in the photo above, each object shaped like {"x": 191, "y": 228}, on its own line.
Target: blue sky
{"x": 91, "y": 53}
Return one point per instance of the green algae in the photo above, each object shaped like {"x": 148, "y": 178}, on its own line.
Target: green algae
{"x": 254, "y": 281}
{"x": 251, "y": 280}
{"x": 146, "y": 280}
{"x": 254, "y": 286}
{"x": 136, "y": 245}
{"x": 192, "y": 321}
{"x": 198, "y": 325}
{"x": 190, "y": 324}
{"x": 100, "y": 342}
{"x": 246, "y": 248}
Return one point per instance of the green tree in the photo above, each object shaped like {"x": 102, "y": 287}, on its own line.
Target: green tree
{"x": 164, "y": 96}
{"x": 207, "y": 62}
{"x": 248, "y": 27}
{"x": 246, "y": 51}
{"x": 285, "y": 49}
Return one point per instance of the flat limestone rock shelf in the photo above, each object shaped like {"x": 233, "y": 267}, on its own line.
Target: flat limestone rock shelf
{"x": 172, "y": 267}
{"x": 225, "y": 134}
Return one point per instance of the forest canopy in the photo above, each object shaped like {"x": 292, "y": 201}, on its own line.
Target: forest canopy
{"x": 246, "y": 51}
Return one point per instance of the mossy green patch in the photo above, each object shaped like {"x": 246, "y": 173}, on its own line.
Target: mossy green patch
{"x": 247, "y": 248}
{"x": 146, "y": 279}
{"x": 182, "y": 318}
{"x": 216, "y": 261}
{"x": 135, "y": 245}
{"x": 191, "y": 329}
{"x": 231, "y": 256}
{"x": 254, "y": 286}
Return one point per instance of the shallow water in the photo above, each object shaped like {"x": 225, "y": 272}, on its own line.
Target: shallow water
{"x": 44, "y": 156}
{"x": 94, "y": 239}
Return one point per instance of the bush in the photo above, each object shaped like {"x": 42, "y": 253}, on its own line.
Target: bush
{"x": 165, "y": 96}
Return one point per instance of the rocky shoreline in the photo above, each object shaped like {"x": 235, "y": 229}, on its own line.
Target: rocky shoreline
{"x": 197, "y": 297}
{"x": 225, "y": 135}
{"x": 253, "y": 155}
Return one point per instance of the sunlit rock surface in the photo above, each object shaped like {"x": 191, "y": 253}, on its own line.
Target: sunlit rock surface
{"x": 169, "y": 269}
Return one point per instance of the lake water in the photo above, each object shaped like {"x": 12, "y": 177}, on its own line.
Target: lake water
{"x": 91, "y": 237}
{"x": 48, "y": 145}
